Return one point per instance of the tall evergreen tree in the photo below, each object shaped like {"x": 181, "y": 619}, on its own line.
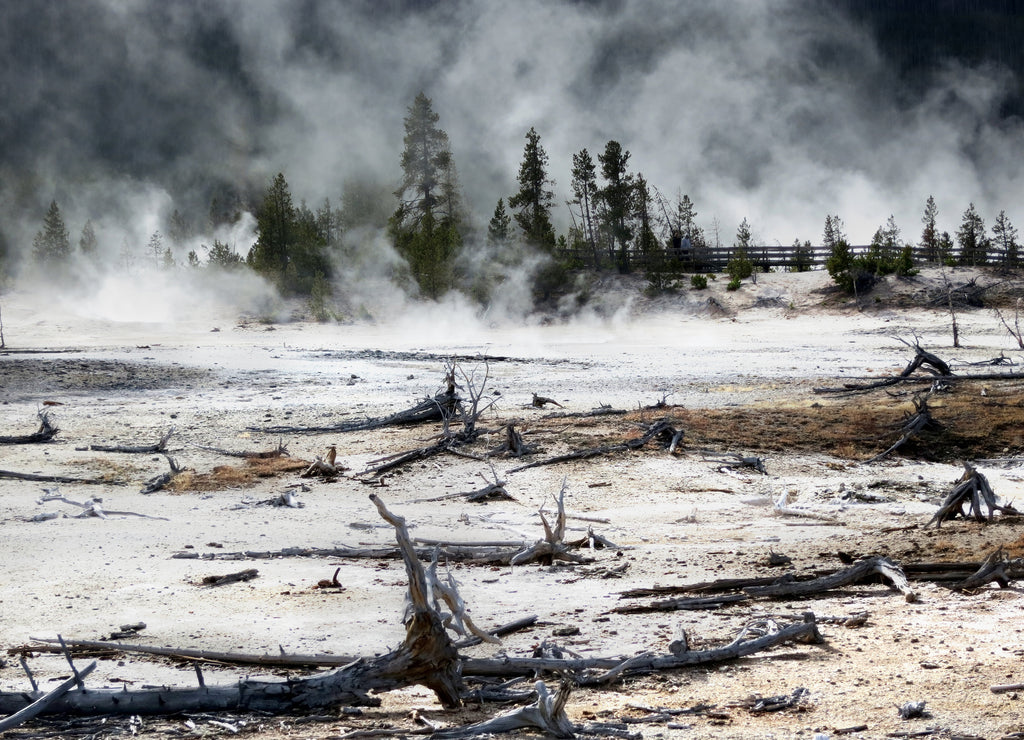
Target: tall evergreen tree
{"x": 52, "y": 244}
{"x": 425, "y": 226}
{"x": 179, "y": 230}
{"x": 584, "y": 190}
{"x": 499, "y": 229}
{"x": 1004, "y": 239}
{"x": 87, "y": 242}
{"x": 659, "y": 277}
{"x": 930, "y": 234}
{"x": 532, "y": 203}
{"x": 971, "y": 238}
{"x": 275, "y": 230}
{"x": 616, "y": 199}
{"x": 156, "y": 248}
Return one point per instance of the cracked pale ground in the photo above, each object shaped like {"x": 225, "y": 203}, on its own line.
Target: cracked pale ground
{"x": 676, "y": 519}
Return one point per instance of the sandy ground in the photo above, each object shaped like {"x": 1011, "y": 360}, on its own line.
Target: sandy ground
{"x": 677, "y": 519}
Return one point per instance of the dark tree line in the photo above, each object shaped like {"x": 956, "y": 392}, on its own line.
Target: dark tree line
{"x": 618, "y": 220}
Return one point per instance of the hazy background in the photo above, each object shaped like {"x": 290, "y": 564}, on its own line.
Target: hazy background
{"x": 780, "y": 111}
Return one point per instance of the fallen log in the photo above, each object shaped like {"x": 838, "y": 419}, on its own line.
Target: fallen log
{"x": 931, "y": 363}
{"x": 13, "y": 475}
{"x": 426, "y": 657}
{"x": 869, "y": 566}
{"x": 741, "y": 646}
{"x": 45, "y": 433}
{"x": 547, "y": 714}
{"x": 280, "y": 451}
{"x": 267, "y": 660}
{"x": 437, "y": 408}
{"x": 993, "y": 569}
{"x": 159, "y": 446}
{"x": 662, "y": 430}
{"x": 41, "y": 704}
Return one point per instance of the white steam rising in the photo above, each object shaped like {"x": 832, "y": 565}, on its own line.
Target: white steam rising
{"x": 777, "y": 112}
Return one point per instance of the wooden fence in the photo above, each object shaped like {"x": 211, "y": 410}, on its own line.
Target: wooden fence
{"x": 714, "y": 259}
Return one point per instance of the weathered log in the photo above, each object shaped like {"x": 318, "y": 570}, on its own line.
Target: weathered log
{"x": 970, "y": 498}
{"x": 159, "y": 446}
{"x": 547, "y": 714}
{"x": 540, "y": 402}
{"x": 662, "y": 430}
{"x": 437, "y": 408}
{"x": 914, "y": 424}
{"x": 603, "y": 410}
{"x": 13, "y": 475}
{"x": 158, "y": 482}
{"x": 741, "y": 646}
{"x": 267, "y": 660}
{"x": 426, "y": 657}
{"x": 325, "y": 466}
{"x": 42, "y": 703}
{"x": 243, "y": 575}
{"x": 734, "y": 461}
{"x": 993, "y": 569}
{"x": 45, "y": 433}
{"x": 280, "y": 451}
{"x": 869, "y": 566}
{"x": 552, "y": 547}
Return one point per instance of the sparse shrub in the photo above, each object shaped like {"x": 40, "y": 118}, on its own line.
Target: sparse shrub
{"x": 734, "y": 284}
{"x": 740, "y": 266}
{"x": 698, "y": 282}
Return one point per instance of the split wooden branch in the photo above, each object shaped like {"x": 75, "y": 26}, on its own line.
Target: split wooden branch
{"x": 47, "y": 430}
{"x": 159, "y": 482}
{"x": 914, "y": 424}
{"x": 41, "y": 704}
{"x": 972, "y": 497}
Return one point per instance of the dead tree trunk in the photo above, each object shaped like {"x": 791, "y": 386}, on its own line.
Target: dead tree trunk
{"x": 973, "y": 492}
{"x": 427, "y": 657}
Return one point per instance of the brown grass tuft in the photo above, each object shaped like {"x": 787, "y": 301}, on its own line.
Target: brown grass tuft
{"x": 236, "y": 476}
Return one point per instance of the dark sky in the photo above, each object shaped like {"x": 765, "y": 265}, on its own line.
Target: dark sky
{"x": 778, "y": 111}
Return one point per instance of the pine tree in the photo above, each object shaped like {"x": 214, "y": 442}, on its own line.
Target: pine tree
{"x": 499, "y": 229}
{"x": 275, "y": 230}
{"x": 179, "y": 230}
{"x": 740, "y": 265}
{"x": 659, "y": 277}
{"x": 534, "y": 199}
{"x": 425, "y": 226}
{"x": 584, "y": 190}
{"x": 930, "y": 235}
{"x": 971, "y": 238}
{"x": 52, "y": 245}
{"x": 1004, "y": 239}
{"x": 156, "y": 248}
{"x": 87, "y": 243}
{"x": 616, "y": 200}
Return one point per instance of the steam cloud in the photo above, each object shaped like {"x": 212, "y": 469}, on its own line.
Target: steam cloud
{"x": 779, "y": 112}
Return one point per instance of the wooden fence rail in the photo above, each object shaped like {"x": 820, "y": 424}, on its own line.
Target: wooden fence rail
{"x": 715, "y": 259}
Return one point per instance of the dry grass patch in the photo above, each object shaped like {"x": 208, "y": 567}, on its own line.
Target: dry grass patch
{"x": 971, "y": 424}
{"x": 237, "y": 476}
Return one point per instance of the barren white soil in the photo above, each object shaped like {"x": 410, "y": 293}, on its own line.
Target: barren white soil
{"x": 676, "y": 519}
